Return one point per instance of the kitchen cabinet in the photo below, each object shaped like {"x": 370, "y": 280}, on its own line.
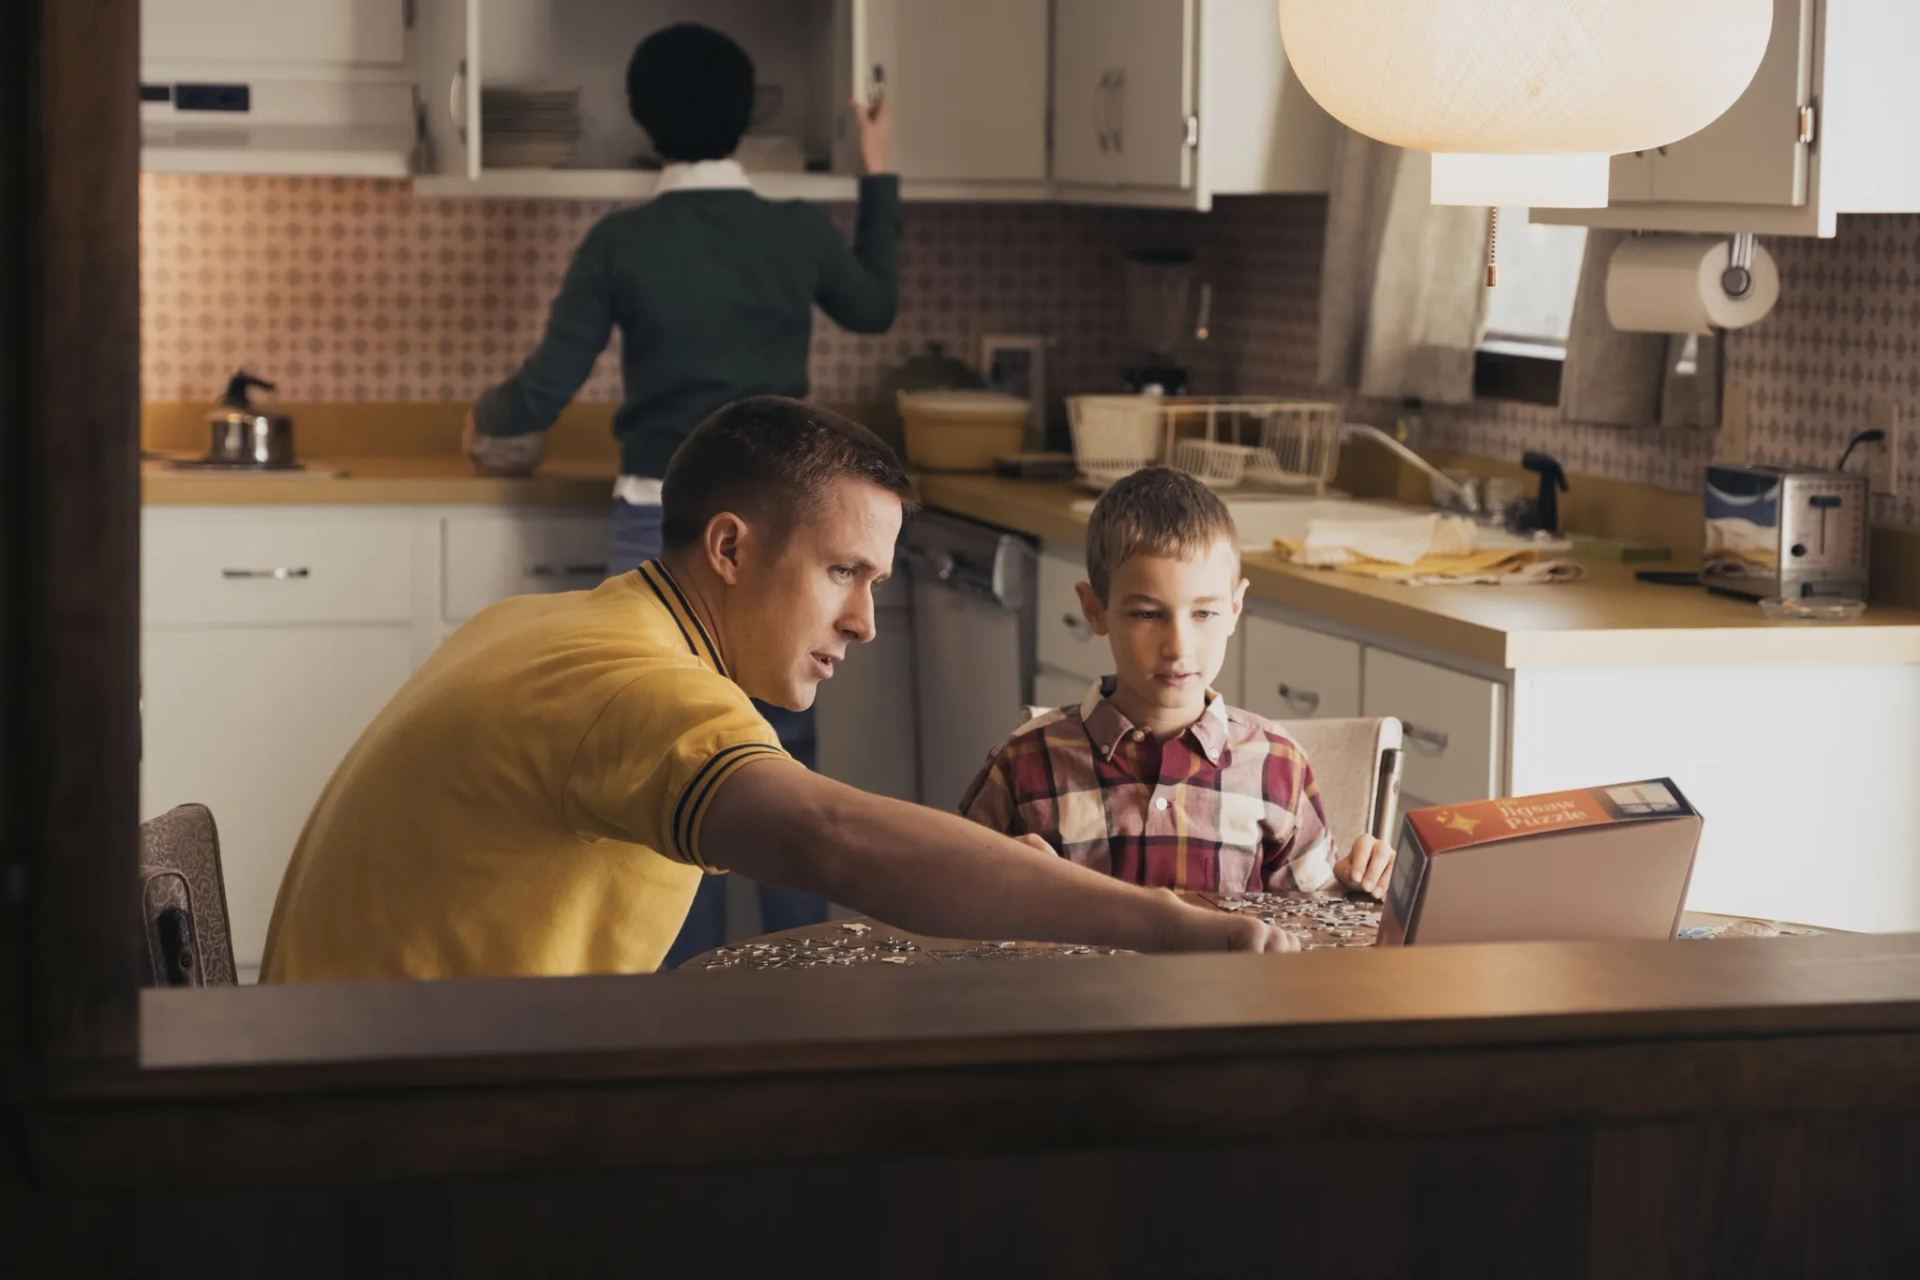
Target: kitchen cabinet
{"x": 271, "y": 637}
{"x": 366, "y": 33}
{"x": 1451, "y": 726}
{"x": 1173, "y": 102}
{"x": 1292, "y": 673}
{"x": 968, "y": 85}
{"x": 498, "y": 554}
{"x": 323, "y": 87}
{"x": 251, "y": 722}
{"x": 1821, "y": 130}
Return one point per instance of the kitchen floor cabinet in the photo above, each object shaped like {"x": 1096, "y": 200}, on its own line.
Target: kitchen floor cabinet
{"x": 271, "y": 637}
{"x": 1821, "y": 130}
{"x": 251, "y": 722}
{"x": 968, "y": 85}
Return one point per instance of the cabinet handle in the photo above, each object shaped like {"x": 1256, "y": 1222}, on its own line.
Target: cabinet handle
{"x": 1100, "y": 109}
{"x": 1305, "y": 701}
{"x": 1120, "y": 111}
{"x": 457, "y": 99}
{"x": 1079, "y": 627}
{"x": 1431, "y": 739}
{"x": 566, "y": 570}
{"x": 282, "y": 574}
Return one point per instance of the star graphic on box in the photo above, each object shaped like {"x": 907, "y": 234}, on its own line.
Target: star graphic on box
{"x": 1459, "y": 822}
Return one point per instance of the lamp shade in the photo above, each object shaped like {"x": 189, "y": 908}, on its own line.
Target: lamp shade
{"x": 1525, "y": 78}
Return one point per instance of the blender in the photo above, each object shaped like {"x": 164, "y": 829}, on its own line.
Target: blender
{"x": 1159, "y": 286}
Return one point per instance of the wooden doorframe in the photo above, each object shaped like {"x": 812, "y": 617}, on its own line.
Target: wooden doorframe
{"x": 70, "y": 516}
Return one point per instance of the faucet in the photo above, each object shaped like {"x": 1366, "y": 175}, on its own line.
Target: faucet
{"x": 1469, "y": 500}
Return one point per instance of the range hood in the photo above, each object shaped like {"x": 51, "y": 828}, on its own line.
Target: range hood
{"x": 323, "y": 128}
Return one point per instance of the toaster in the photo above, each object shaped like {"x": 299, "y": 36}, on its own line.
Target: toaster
{"x": 1778, "y": 532}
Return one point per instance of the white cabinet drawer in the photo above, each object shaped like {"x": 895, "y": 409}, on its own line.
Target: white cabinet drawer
{"x": 252, "y": 565}
{"x": 1452, "y": 726}
{"x": 1295, "y": 674}
{"x": 489, "y": 558}
{"x": 1064, "y": 641}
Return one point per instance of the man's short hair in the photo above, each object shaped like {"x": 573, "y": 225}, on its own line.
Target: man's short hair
{"x": 691, "y": 89}
{"x": 1155, "y": 511}
{"x": 769, "y": 460}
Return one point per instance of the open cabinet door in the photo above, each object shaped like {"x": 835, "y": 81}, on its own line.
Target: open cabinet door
{"x": 1754, "y": 153}
{"x": 449, "y": 69}
{"x": 968, "y": 84}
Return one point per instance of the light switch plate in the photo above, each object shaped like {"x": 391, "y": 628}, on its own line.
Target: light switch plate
{"x": 1886, "y": 459}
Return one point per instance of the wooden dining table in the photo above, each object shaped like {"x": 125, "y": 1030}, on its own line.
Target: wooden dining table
{"x": 1321, "y": 921}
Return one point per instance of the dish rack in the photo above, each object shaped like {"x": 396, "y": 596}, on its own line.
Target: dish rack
{"x": 1226, "y": 442}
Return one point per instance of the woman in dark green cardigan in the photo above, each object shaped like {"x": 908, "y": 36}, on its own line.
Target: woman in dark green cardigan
{"x": 713, "y": 291}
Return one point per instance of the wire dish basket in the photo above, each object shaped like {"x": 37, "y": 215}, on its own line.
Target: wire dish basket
{"x": 1226, "y": 442}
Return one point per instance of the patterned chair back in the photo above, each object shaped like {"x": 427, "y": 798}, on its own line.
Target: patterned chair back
{"x": 183, "y": 901}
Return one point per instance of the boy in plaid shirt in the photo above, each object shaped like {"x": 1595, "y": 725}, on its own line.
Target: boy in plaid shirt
{"x": 1152, "y": 777}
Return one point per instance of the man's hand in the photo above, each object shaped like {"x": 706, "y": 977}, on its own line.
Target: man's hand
{"x": 876, "y": 131}
{"x": 507, "y": 456}
{"x": 1204, "y": 929}
{"x": 1368, "y": 866}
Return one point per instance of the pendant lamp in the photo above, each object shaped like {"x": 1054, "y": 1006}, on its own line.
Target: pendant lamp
{"x": 1523, "y": 102}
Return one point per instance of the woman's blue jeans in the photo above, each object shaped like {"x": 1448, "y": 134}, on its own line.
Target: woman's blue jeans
{"x": 636, "y": 539}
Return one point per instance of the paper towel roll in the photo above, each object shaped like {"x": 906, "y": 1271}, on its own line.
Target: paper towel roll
{"x": 1671, "y": 284}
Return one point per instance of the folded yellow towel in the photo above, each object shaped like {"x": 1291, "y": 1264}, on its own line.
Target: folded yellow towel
{"x": 1518, "y": 566}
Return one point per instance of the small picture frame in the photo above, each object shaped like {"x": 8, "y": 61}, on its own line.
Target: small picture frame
{"x": 1016, "y": 363}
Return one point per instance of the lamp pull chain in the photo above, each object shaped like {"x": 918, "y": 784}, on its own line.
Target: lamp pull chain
{"x": 1493, "y": 247}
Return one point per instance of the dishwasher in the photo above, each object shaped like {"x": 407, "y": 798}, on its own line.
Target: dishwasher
{"x": 973, "y": 632}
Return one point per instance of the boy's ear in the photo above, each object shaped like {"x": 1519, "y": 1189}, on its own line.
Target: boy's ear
{"x": 1090, "y": 606}
{"x": 1239, "y": 599}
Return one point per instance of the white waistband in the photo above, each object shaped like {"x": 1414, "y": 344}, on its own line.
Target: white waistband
{"x": 638, "y": 491}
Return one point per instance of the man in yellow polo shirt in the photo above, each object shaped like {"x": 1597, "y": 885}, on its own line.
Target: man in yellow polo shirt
{"x": 543, "y": 795}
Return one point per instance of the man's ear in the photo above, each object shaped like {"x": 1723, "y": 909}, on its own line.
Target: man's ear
{"x": 1091, "y": 608}
{"x": 724, "y": 543}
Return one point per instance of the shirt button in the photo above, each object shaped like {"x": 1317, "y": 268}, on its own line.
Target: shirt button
{"x": 1139, "y": 735}
{"x": 1160, "y": 803}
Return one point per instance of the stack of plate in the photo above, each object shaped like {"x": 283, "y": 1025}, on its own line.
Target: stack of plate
{"x": 528, "y": 128}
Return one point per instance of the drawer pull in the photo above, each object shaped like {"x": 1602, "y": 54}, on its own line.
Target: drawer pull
{"x": 566, "y": 570}
{"x": 1430, "y": 739}
{"x": 1305, "y": 701}
{"x": 1077, "y": 625}
{"x": 282, "y": 574}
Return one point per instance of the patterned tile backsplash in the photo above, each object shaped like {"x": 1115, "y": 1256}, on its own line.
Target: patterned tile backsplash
{"x": 356, "y": 290}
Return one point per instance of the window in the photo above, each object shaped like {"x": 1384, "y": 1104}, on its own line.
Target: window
{"x": 1530, "y": 311}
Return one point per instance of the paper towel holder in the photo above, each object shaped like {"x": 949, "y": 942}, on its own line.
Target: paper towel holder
{"x": 1737, "y": 280}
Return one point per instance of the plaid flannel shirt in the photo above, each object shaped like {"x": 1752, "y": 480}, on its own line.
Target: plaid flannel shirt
{"x": 1234, "y": 808}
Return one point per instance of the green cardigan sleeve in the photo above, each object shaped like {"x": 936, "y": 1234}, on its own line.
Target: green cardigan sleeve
{"x": 859, "y": 289}
{"x": 577, "y": 332}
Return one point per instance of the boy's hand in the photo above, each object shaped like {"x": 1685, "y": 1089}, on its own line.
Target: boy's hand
{"x": 876, "y": 132}
{"x": 1368, "y": 866}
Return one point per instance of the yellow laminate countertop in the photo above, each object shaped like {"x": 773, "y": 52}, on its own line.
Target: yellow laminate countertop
{"x": 1606, "y": 620}
{"x": 445, "y": 480}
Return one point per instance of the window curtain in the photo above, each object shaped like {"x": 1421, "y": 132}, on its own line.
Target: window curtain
{"x": 1615, "y": 379}
{"x": 1403, "y": 300}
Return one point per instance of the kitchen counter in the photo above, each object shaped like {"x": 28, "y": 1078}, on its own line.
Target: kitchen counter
{"x": 443, "y": 480}
{"x": 1607, "y": 620}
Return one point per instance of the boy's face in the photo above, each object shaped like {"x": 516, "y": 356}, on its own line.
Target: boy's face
{"x": 1168, "y": 621}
